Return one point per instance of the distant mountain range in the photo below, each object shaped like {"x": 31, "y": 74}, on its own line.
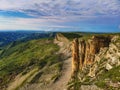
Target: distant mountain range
{"x": 7, "y": 37}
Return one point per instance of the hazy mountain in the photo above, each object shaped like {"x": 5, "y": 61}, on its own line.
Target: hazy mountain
{"x": 7, "y": 37}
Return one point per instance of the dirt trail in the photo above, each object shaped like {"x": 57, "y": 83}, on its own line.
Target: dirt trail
{"x": 60, "y": 84}
{"x": 63, "y": 80}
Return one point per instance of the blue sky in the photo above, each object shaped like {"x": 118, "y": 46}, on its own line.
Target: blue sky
{"x": 60, "y": 15}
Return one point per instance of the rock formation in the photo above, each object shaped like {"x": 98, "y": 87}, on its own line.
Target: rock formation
{"x": 61, "y": 38}
{"x": 64, "y": 44}
{"x": 84, "y": 51}
{"x": 75, "y": 57}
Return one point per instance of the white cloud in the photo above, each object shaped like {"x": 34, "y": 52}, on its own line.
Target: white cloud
{"x": 119, "y": 26}
{"x": 62, "y": 7}
{"x": 31, "y": 23}
{"x": 54, "y": 14}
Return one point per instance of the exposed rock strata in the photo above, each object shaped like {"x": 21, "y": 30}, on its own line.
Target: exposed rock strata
{"x": 84, "y": 51}
{"x": 75, "y": 58}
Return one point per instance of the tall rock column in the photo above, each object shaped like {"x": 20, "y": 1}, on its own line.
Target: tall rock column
{"x": 75, "y": 57}
{"x": 82, "y": 48}
{"x": 87, "y": 53}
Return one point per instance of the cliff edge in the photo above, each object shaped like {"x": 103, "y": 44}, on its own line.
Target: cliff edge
{"x": 93, "y": 60}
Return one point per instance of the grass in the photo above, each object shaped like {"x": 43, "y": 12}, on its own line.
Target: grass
{"x": 85, "y": 36}
{"x": 36, "y": 77}
{"x": 56, "y": 67}
{"x": 112, "y": 75}
{"x": 74, "y": 84}
{"x": 1, "y": 51}
{"x": 33, "y": 53}
{"x": 101, "y": 84}
{"x": 56, "y": 76}
{"x": 21, "y": 80}
{"x": 71, "y": 35}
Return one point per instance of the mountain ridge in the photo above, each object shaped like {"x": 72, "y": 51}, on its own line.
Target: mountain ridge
{"x": 44, "y": 64}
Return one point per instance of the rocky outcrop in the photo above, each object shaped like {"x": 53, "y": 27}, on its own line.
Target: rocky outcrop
{"x": 75, "y": 57}
{"x": 84, "y": 51}
{"x": 61, "y": 38}
{"x": 64, "y": 44}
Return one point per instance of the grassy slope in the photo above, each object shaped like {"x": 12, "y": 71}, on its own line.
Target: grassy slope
{"x": 19, "y": 58}
{"x": 107, "y": 76}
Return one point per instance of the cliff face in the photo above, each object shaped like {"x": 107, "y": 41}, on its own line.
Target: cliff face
{"x": 75, "y": 57}
{"x": 96, "y": 63}
{"x": 83, "y": 52}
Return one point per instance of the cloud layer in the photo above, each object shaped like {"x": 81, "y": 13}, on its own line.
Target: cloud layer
{"x": 62, "y": 7}
{"x": 39, "y": 14}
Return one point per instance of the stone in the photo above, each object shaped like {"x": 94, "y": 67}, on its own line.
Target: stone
{"x": 108, "y": 66}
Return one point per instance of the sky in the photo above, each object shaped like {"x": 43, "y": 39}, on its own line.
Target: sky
{"x": 60, "y": 15}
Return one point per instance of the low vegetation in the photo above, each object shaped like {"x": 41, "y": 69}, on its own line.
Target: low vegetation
{"x": 26, "y": 56}
{"x": 85, "y": 35}
{"x": 107, "y": 77}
